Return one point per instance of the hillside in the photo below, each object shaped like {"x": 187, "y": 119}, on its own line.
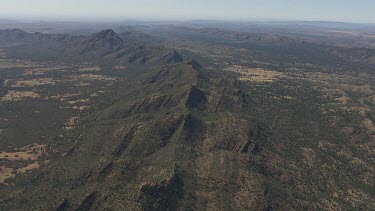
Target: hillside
{"x": 197, "y": 121}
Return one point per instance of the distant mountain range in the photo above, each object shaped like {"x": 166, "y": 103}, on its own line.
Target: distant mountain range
{"x": 105, "y": 44}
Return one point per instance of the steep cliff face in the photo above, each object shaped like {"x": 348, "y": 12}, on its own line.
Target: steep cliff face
{"x": 164, "y": 195}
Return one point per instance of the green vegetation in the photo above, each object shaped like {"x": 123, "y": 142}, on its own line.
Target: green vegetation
{"x": 225, "y": 124}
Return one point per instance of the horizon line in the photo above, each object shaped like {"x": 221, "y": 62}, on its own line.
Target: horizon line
{"x": 94, "y": 19}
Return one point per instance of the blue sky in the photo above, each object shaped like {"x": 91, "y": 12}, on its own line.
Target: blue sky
{"x": 331, "y": 10}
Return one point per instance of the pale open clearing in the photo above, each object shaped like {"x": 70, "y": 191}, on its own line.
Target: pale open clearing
{"x": 80, "y": 108}
{"x": 62, "y": 97}
{"x": 29, "y": 152}
{"x": 79, "y": 101}
{"x": 17, "y": 63}
{"x": 119, "y": 67}
{"x": 6, "y": 173}
{"x": 255, "y": 74}
{"x": 92, "y": 77}
{"x": 43, "y": 70}
{"x": 90, "y": 69}
{"x": 284, "y": 97}
{"x": 369, "y": 126}
{"x": 34, "y": 82}
{"x": 70, "y": 123}
{"x": 81, "y": 83}
{"x": 96, "y": 94}
{"x": 6, "y": 82}
{"x": 17, "y": 96}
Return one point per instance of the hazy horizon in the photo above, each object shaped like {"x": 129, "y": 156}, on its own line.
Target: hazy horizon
{"x": 223, "y": 10}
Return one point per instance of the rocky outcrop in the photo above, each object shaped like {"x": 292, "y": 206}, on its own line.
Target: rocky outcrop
{"x": 163, "y": 195}
{"x": 197, "y": 98}
{"x": 63, "y": 206}
{"x": 88, "y": 201}
{"x": 125, "y": 142}
{"x": 233, "y": 134}
{"x": 172, "y": 58}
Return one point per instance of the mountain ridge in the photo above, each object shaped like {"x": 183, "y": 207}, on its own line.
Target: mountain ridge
{"x": 222, "y": 121}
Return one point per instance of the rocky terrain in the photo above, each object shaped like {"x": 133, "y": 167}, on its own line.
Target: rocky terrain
{"x": 184, "y": 119}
